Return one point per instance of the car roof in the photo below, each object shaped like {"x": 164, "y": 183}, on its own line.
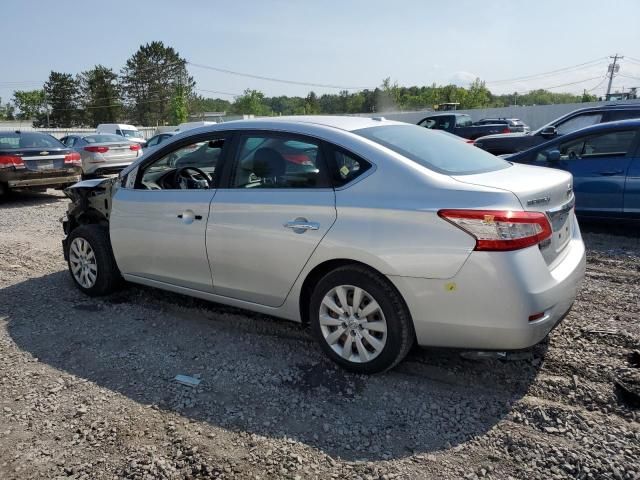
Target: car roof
{"x": 610, "y": 106}
{"x": 340, "y": 122}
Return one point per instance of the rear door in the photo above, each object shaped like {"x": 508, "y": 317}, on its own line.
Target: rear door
{"x": 632, "y": 186}
{"x": 599, "y": 165}
{"x": 264, "y": 225}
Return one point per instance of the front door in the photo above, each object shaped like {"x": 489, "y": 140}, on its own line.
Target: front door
{"x": 265, "y": 225}
{"x": 158, "y": 224}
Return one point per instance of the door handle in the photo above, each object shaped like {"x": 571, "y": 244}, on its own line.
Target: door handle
{"x": 188, "y": 216}
{"x": 301, "y": 225}
{"x": 609, "y": 173}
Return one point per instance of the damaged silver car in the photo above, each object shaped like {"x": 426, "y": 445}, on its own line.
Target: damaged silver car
{"x": 378, "y": 234}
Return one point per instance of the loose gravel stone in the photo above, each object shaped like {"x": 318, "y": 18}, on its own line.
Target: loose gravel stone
{"x": 87, "y": 389}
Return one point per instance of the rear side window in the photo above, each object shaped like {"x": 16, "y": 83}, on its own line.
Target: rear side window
{"x": 346, "y": 167}
{"x": 610, "y": 144}
{"x": 581, "y": 121}
{"x": 623, "y": 115}
{"x": 432, "y": 150}
{"x": 463, "y": 121}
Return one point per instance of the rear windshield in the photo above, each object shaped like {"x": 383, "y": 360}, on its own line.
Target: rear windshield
{"x": 13, "y": 140}
{"x": 103, "y": 138}
{"x": 436, "y": 152}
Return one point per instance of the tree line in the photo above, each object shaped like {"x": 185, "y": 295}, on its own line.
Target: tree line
{"x": 154, "y": 88}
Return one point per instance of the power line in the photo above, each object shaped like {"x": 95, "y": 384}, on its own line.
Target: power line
{"x": 604, "y": 79}
{"x": 218, "y": 93}
{"x": 273, "y": 79}
{"x": 572, "y": 83}
{"x": 628, "y": 76}
{"x": 549, "y": 73}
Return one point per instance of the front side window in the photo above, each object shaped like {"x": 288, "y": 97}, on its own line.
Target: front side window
{"x": 188, "y": 167}
{"x": 576, "y": 123}
{"x": 434, "y": 151}
{"x": 279, "y": 161}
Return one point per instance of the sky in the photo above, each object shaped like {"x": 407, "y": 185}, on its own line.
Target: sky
{"x": 345, "y": 43}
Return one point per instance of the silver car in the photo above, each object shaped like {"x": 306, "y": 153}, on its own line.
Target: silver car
{"x": 103, "y": 153}
{"x": 378, "y": 234}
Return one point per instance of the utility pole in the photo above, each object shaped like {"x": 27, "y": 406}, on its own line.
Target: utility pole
{"x": 612, "y": 70}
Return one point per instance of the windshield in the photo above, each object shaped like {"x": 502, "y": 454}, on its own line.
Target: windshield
{"x": 131, "y": 133}
{"x": 13, "y": 140}
{"x": 436, "y": 152}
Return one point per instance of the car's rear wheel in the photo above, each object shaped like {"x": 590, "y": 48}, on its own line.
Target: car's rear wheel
{"x": 90, "y": 259}
{"x": 360, "y": 320}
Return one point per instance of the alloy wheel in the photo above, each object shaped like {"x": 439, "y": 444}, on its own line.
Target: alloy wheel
{"x": 83, "y": 263}
{"x": 353, "y": 323}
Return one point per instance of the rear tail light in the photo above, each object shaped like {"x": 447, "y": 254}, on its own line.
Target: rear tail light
{"x": 73, "y": 159}
{"x": 8, "y": 161}
{"x": 97, "y": 149}
{"x": 469, "y": 141}
{"x": 501, "y": 230}
{"x": 135, "y": 147}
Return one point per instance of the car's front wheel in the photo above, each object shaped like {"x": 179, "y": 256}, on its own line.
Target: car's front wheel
{"x": 91, "y": 261}
{"x": 360, "y": 320}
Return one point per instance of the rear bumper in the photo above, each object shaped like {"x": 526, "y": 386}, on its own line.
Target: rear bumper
{"x": 29, "y": 179}
{"x": 488, "y": 303}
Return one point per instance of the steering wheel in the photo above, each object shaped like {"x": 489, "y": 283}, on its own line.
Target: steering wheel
{"x": 182, "y": 172}
{"x": 572, "y": 155}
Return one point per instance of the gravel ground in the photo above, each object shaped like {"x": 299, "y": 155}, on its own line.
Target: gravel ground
{"x": 87, "y": 389}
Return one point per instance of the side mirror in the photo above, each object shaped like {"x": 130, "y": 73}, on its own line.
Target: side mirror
{"x": 548, "y": 132}
{"x": 553, "y": 155}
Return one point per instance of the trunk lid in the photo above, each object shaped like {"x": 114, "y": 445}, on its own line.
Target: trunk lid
{"x": 40, "y": 159}
{"x": 538, "y": 189}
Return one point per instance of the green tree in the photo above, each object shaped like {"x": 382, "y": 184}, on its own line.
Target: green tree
{"x": 149, "y": 81}
{"x": 29, "y": 103}
{"x": 62, "y": 96}
{"x": 101, "y": 96}
{"x": 311, "y": 104}
{"x": 389, "y": 98}
{"x": 179, "y": 111}
{"x": 6, "y": 111}
{"x": 199, "y": 104}
{"x": 251, "y": 102}
{"x": 478, "y": 95}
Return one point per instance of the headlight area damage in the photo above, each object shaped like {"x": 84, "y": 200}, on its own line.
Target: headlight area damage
{"x": 90, "y": 204}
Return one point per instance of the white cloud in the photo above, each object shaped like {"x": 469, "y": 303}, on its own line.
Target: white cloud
{"x": 462, "y": 78}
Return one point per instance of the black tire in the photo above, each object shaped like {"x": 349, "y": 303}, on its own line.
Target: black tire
{"x": 400, "y": 332}
{"x": 108, "y": 277}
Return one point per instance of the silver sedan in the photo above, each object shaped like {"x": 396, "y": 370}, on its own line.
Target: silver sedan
{"x": 378, "y": 234}
{"x": 103, "y": 153}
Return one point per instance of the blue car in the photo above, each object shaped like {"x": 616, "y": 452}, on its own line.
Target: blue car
{"x": 605, "y": 162}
